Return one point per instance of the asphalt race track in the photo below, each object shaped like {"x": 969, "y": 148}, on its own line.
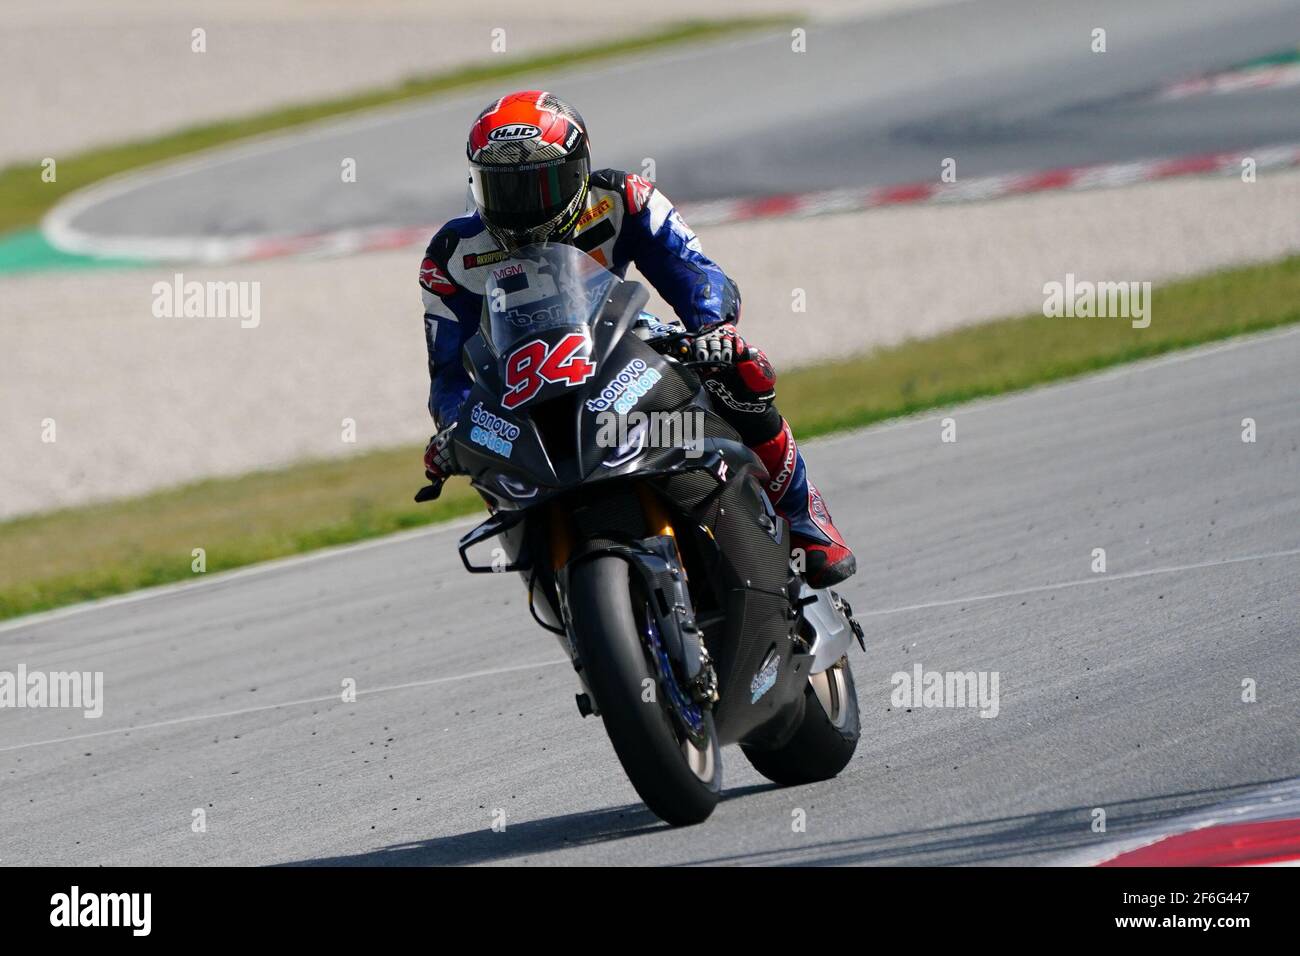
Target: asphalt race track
{"x": 1119, "y": 690}
{"x": 999, "y": 85}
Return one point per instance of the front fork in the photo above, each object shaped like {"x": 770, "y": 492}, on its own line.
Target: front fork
{"x": 657, "y": 561}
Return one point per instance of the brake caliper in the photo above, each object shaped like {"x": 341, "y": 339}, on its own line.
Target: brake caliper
{"x": 680, "y": 631}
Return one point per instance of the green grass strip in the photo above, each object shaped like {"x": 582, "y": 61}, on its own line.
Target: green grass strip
{"x": 86, "y": 552}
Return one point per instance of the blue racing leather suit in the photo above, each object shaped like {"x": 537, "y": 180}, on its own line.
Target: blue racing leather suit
{"x": 626, "y": 221}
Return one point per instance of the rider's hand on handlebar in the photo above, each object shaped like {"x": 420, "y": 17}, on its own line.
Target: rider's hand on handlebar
{"x": 720, "y": 345}
{"x": 722, "y": 348}
{"x": 439, "y": 463}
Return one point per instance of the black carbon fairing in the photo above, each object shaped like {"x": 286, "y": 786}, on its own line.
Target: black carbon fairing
{"x": 550, "y": 434}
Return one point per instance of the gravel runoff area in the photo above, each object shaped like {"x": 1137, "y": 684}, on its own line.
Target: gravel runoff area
{"x": 91, "y": 73}
{"x": 141, "y": 402}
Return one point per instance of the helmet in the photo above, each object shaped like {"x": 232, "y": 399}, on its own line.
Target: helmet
{"x": 528, "y": 168}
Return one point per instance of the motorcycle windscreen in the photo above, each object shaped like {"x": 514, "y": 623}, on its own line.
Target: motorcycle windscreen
{"x": 541, "y": 287}
{"x": 541, "y": 303}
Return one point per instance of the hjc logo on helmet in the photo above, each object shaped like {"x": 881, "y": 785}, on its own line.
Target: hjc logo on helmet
{"x": 513, "y": 132}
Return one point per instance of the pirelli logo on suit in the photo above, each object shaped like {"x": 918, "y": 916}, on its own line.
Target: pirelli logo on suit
{"x": 594, "y": 213}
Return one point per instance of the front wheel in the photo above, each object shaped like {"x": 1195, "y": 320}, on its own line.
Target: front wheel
{"x": 668, "y": 746}
{"x": 824, "y": 742}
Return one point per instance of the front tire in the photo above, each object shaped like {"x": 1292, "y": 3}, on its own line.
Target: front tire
{"x": 826, "y": 738}
{"x": 679, "y": 780}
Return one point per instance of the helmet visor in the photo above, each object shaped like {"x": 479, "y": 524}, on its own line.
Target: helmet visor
{"x": 520, "y": 198}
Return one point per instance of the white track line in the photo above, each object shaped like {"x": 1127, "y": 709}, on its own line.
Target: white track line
{"x": 224, "y": 577}
{"x": 57, "y": 224}
{"x": 1082, "y": 582}
{"x": 1183, "y": 355}
{"x": 331, "y": 698}
{"x": 1176, "y": 357}
{"x": 62, "y": 234}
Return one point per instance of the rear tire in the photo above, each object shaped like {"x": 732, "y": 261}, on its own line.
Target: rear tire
{"x": 678, "y": 780}
{"x": 825, "y": 740}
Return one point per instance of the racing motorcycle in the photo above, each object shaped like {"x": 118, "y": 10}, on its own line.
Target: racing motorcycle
{"x": 659, "y": 564}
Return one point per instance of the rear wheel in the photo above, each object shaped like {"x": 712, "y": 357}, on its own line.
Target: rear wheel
{"x": 825, "y": 740}
{"x": 668, "y": 746}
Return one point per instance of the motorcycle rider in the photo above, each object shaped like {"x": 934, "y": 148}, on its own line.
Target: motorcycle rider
{"x": 531, "y": 181}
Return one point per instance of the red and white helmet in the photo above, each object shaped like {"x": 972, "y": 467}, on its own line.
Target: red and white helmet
{"x": 529, "y": 163}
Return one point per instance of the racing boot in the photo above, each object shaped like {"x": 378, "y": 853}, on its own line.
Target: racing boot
{"x": 827, "y": 560}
